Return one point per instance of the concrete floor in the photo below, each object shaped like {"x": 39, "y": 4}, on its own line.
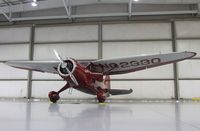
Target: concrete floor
{"x": 136, "y": 116}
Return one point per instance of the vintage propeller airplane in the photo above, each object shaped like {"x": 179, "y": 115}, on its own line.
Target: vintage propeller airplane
{"x": 92, "y": 77}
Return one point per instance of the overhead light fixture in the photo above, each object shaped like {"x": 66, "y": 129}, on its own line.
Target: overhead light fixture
{"x": 136, "y": 0}
{"x": 34, "y": 3}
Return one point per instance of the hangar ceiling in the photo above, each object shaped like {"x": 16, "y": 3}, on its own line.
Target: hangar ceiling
{"x": 21, "y": 10}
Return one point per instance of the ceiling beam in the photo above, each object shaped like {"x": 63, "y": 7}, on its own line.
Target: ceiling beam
{"x": 130, "y": 8}
{"x": 150, "y": 1}
{"x": 49, "y": 4}
{"x": 67, "y": 7}
{"x": 5, "y": 15}
{"x": 108, "y": 15}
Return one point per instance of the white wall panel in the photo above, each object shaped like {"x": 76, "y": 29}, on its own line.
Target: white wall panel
{"x": 8, "y": 72}
{"x": 40, "y": 89}
{"x": 13, "y": 88}
{"x": 14, "y": 52}
{"x": 188, "y": 29}
{"x": 189, "y": 69}
{"x": 18, "y": 34}
{"x": 137, "y": 31}
{"x": 39, "y": 75}
{"x": 189, "y": 45}
{"x": 74, "y": 50}
{"x": 189, "y": 88}
{"x": 66, "y": 33}
{"x": 145, "y": 89}
{"x": 119, "y": 49}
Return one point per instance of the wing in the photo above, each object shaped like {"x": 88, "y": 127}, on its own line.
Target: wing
{"x": 131, "y": 64}
{"x": 41, "y": 66}
{"x": 109, "y": 66}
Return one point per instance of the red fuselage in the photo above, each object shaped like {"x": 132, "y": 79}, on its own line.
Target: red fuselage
{"x": 86, "y": 80}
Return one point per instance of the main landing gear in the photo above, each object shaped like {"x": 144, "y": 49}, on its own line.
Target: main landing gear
{"x": 101, "y": 96}
{"x": 54, "y": 96}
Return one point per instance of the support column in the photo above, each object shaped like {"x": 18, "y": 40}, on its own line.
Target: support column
{"x": 175, "y": 66}
{"x": 100, "y": 44}
{"x": 130, "y": 8}
{"x": 198, "y": 6}
{"x": 29, "y": 91}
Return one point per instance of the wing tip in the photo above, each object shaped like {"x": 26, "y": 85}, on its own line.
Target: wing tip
{"x": 192, "y": 54}
{"x": 130, "y": 90}
{"x": 189, "y": 54}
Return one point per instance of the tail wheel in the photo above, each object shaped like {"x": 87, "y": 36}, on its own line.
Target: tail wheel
{"x": 54, "y": 96}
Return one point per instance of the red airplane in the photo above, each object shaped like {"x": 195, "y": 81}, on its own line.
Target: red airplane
{"x": 92, "y": 77}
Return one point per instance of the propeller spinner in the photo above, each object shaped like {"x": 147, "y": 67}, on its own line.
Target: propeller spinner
{"x": 65, "y": 68}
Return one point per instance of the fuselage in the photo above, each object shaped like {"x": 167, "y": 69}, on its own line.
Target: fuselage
{"x": 88, "y": 82}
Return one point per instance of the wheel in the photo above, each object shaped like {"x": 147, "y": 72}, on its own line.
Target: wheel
{"x": 53, "y": 96}
{"x": 101, "y": 96}
{"x": 101, "y": 100}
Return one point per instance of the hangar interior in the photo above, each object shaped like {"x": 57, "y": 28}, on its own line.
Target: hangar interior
{"x": 103, "y": 36}
{"x": 101, "y": 29}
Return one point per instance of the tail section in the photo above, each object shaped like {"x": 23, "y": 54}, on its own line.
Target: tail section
{"x": 114, "y": 91}
{"x": 120, "y": 91}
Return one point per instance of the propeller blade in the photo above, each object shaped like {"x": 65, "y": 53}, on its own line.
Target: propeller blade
{"x": 65, "y": 66}
{"x": 72, "y": 77}
{"x": 58, "y": 56}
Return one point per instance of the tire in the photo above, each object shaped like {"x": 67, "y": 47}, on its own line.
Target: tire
{"x": 53, "y": 96}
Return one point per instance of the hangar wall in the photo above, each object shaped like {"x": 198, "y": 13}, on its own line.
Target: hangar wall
{"x": 188, "y": 37}
{"x": 101, "y": 40}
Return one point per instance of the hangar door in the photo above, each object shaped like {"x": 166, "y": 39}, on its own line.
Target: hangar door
{"x": 14, "y": 45}
{"x": 136, "y": 39}
{"x": 188, "y": 38}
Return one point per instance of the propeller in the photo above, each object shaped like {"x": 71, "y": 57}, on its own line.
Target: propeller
{"x": 64, "y": 65}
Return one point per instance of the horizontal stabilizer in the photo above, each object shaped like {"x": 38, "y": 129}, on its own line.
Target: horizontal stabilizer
{"x": 120, "y": 91}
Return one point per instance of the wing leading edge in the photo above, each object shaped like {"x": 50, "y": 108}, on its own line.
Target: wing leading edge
{"x": 109, "y": 66}
{"x": 41, "y": 66}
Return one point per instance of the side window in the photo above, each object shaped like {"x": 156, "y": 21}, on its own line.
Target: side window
{"x": 95, "y": 68}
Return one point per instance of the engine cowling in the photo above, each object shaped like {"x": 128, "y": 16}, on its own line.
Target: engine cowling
{"x": 69, "y": 65}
